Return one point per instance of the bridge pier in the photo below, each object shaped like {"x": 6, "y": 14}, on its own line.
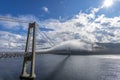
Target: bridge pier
{"x": 29, "y": 56}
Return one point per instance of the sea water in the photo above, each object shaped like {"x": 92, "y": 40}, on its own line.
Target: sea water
{"x": 65, "y": 67}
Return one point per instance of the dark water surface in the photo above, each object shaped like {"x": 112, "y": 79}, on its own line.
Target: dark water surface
{"x": 64, "y": 67}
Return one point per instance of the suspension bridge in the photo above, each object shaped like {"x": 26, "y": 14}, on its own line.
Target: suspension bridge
{"x": 30, "y": 47}
{"x": 29, "y": 55}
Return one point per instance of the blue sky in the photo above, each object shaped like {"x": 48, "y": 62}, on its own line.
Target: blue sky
{"x": 61, "y": 20}
{"x": 56, "y": 8}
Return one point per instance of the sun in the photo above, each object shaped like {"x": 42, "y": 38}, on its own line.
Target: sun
{"x": 107, "y": 3}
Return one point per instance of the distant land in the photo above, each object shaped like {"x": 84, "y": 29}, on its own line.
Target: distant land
{"x": 76, "y": 48}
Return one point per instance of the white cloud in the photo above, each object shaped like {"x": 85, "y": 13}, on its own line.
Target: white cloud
{"x": 18, "y": 25}
{"x": 88, "y": 27}
{"x": 85, "y": 26}
{"x": 9, "y": 40}
{"x": 45, "y": 9}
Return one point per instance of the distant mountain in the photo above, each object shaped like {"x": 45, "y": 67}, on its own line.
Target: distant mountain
{"x": 109, "y": 45}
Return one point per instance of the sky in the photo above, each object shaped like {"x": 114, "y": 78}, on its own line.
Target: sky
{"x": 46, "y": 9}
{"x": 61, "y": 20}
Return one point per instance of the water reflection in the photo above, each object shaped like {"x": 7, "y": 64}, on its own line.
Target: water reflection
{"x": 64, "y": 67}
{"x": 57, "y": 69}
{"x": 110, "y": 70}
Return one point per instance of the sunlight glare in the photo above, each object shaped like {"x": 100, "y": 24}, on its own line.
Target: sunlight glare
{"x": 107, "y": 3}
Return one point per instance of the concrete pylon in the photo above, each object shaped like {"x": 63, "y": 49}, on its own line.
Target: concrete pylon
{"x": 29, "y": 56}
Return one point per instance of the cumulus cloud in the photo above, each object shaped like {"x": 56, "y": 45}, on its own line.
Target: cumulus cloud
{"x": 88, "y": 27}
{"x": 45, "y": 9}
{"x": 9, "y": 41}
{"x": 22, "y": 21}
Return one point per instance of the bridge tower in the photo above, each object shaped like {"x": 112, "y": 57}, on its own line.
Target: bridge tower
{"x": 29, "y": 56}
